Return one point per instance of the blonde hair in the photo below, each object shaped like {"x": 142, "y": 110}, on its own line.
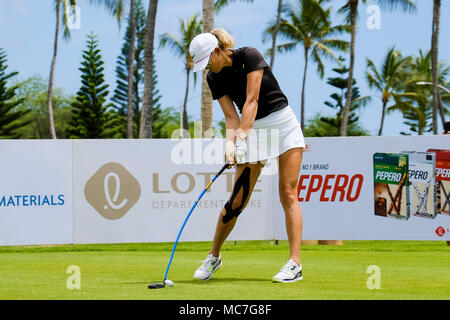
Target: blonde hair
{"x": 226, "y": 41}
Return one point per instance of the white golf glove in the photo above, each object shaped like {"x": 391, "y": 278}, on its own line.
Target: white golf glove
{"x": 240, "y": 150}
{"x": 229, "y": 152}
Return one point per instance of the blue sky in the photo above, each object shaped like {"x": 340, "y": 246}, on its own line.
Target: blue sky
{"x": 28, "y": 30}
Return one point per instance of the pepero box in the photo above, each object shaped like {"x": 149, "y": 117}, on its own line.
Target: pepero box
{"x": 422, "y": 183}
{"x": 391, "y": 185}
{"x": 442, "y": 180}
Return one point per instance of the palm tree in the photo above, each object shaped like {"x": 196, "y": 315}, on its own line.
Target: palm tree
{"x": 275, "y": 28}
{"x": 309, "y": 25}
{"x": 387, "y": 79}
{"x": 188, "y": 31}
{"x": 437, "y": 100}
{"x": 206, "y": 108}
{"x": 415, "y": 110}
{"x": 117, "y": 8}
{"x": 415, "y": 100}
{"x": 120, "y": 97}
{"x": 350, "y": 9}
{"x": 275, "y": 33}
{"x": 147, "y": 103}
{"x": 64, "y": 6}
{"x": 208, "y": 9}
{"x": 131, "y": 61}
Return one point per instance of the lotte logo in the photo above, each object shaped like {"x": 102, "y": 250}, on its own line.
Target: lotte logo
{"x": 440, "y": 231}
{"x": 112, "y": 191}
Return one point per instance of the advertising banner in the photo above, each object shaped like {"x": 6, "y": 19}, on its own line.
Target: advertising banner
{"x": 36, "y": 204}
{"x": 117, "y": 191}
{"x": 356, "y": 188}
{"x": 142, "y": 191}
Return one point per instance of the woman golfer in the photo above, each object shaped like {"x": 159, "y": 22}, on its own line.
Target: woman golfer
{"x": 242, "y": 77}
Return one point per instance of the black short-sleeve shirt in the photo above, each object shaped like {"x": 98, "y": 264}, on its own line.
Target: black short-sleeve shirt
{"x": 232, "y": 81}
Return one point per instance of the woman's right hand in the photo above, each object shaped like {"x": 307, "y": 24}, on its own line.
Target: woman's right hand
{"x": 229, "y": 153}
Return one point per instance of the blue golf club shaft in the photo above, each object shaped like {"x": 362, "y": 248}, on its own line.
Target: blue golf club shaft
{"x": 190, "y": 212}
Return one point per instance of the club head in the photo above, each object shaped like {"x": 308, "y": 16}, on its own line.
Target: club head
{"x": 156, "y": 285}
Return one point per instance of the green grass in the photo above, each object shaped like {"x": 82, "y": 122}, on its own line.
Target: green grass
{"x": 409, "y": 270}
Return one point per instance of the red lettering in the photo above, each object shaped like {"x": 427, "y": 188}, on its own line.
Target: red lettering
{"x": 344, "y": 187}
{"x": 301, "y": 186}
{"x": 340, "y": 188}
{"x": 360, "y": 179}
{"x": 311, "y": 188}
{"x": 326, "y": 186}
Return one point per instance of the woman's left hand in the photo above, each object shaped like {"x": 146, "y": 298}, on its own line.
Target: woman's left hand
{"x": 240, "y": 150}
{"x": 229, "y": 153}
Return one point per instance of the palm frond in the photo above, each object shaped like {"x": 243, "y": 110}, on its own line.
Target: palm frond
{"x": 340, "y": 45}
{"x": 373, "y": 82}
{"x": 65, "y": 16}
{"x": 268, "y": 31}
{"x": 169, "y": 40}
{"x": 316, "y": 58}
{"x": 373, "y": 76}
{"x": 346, "y": 11}
{"x": 407, "y": 5}
{"x": 361, "y": 101}
{"x": 325, "y": 51}
{"x": 220, "y": 4}
{"x": 115, "y": 7}
{"x": 287, "y": 47}
{"x": 291, "y": 31}
{"x": 340, "y": 29}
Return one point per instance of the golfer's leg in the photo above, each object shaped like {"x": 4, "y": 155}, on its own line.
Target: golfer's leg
{"x": 289, "y": 167}
{"x": 244, "y": 182}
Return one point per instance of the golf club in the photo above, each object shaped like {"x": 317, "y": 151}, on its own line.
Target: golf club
{"x": 169, "y": 282}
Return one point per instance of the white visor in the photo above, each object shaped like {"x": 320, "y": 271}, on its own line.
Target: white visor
{"x": 201, "y": 48}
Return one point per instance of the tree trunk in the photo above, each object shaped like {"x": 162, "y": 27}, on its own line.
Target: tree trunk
{"x": 434, "y": 62}
{"x": 275, "y": 33}
{"x": 136, "y": 116}
{"x": 137, "y": 92}
{"x": 185, "y": 117}
{"x": 436, "y": 24}
{"x": 131, "y": 59}
{"x": 309, "y": 242}
{"x": 441, "y": 109}
{"x": 348, "y": 95}
{"x": 147, "y": 101}
{"x": 207, "y": 102}
{"x": 51, "y": 121}
{"x": 302, "y": 107}
{"x": 383, "y": 113}
{"x": 335, "y": 242}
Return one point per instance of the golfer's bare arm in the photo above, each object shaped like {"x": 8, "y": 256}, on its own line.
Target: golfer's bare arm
{"x": 232, "y": 121}
{"x": 250, "y": 108}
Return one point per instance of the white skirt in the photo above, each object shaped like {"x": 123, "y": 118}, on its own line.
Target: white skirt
{"x": 273, "y": 135}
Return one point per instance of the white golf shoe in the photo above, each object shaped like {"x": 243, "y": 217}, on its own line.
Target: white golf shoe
{"x": 207, "y": 269}
{"x": 290, "y": 272}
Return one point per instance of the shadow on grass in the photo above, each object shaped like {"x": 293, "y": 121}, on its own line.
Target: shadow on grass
{"x": 199, "y": 282}
{"x": 223, "y": 280}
